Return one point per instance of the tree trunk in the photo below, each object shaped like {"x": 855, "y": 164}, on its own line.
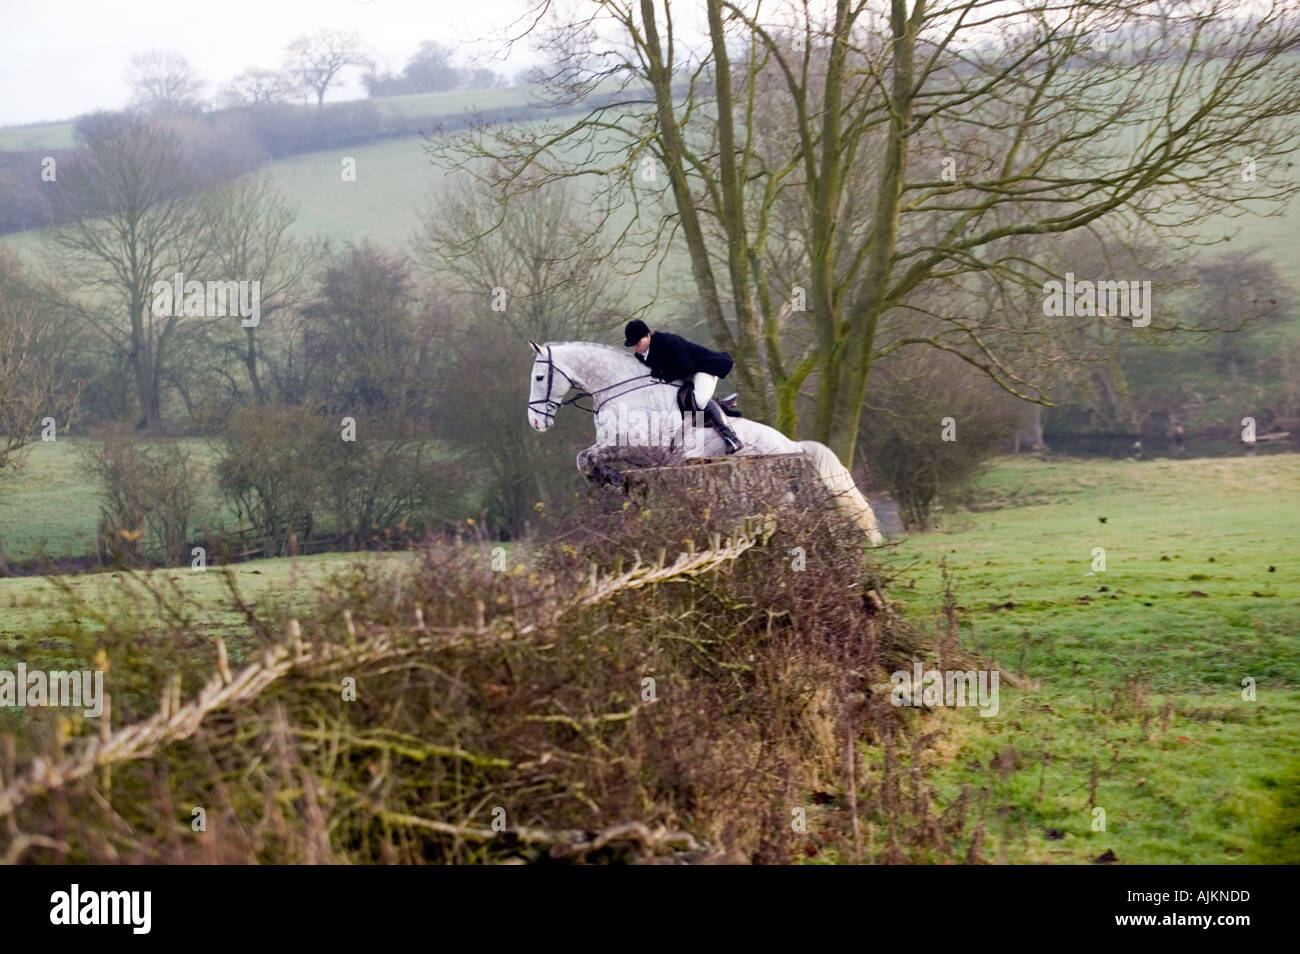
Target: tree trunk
{"x": 143, "y": 386}
{"x": 848, "y": 418}
{"x": 674, "y": 151}
{"x": 142, "y": 362}
{"x": 1036, "y": 427}
{"x": 1029, "y": 433}
{"x": 250, "y": 362}
{"x": 153, "y": 408}
{"x": 749, "y": 335}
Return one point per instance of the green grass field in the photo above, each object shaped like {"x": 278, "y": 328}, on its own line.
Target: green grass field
{"x": 50, "y": 507}
{"x": 1136, "y": 670}
{"x": 40, "y": 136}
{"x": 31, "y": 603}
{"x": 454, "y": 102}
{"x": 393, "y": 181}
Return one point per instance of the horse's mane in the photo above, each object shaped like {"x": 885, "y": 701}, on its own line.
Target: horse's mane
{"x": 589, "y": 344}
{"x": 613, "y": 349}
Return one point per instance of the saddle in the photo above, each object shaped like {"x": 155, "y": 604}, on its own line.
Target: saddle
{"x": 686, "y": 402}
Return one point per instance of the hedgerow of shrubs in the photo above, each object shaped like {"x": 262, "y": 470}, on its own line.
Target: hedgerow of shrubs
{"x": 535, "y": 706}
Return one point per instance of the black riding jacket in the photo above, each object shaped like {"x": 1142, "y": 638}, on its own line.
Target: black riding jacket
{"x": 673, "y": 358}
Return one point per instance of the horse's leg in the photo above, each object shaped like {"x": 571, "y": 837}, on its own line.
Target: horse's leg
{"x": 593, "y": 463}
{"x": 840, "y": 483}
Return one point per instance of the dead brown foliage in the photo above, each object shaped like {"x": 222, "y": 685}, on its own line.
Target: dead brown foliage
{"x": 655, "y": 682}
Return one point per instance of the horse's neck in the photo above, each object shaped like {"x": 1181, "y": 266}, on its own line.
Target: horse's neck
{"x": 593, "y": 368}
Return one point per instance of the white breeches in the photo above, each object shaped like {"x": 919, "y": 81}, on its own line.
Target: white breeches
{"x": 704, "y": 385}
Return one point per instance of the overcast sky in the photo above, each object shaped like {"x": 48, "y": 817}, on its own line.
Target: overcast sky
{"x": 61, "y": 58}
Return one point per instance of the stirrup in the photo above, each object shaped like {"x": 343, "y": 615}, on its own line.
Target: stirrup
{"x": 728, "y": 405}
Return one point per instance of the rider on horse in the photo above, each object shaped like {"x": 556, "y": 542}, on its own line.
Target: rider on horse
{"x": 672, "y": 358}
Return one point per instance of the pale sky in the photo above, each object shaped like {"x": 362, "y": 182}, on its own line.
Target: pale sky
{"x": 61, "y": 58}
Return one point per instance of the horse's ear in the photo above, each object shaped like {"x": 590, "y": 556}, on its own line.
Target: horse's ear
{"x": 535, "y": 346}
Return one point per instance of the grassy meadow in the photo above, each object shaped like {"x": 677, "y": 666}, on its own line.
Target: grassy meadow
{"x": 382, "y": 205}
{"x": 50, "y": 508}
{"x": 37, "y": 136}
{"x": 1134, "y": 702}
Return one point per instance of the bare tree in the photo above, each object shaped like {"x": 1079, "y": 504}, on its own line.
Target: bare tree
{"x": 1244, "y": 289}
{"x": 26, "y": 381}
{"x": 162, "y": 81}
{"x": 917, "y": 144}
{"x": 315, "y": 60}
{"x": 134, "y": 218}
{"x": 484, "y": 77}
{"x": 555, "y": 273}
{"x": 256, "y": 87}
{"x": 255, "y": 243}
{"x": 432, "y": 69}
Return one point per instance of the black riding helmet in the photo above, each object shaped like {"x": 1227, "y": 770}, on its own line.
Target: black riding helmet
{"x": 636, "y": 330}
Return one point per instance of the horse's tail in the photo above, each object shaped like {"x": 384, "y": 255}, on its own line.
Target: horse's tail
{"x": 840, "y": 483}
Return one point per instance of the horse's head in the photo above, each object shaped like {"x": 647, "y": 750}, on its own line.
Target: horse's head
{"x": 595, "y": 371}
{"x": 547, "y": 387}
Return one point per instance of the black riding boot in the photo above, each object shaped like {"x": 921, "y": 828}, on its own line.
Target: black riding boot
{"x": 714, "y": 415}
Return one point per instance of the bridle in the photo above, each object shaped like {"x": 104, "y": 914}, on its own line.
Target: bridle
{"x": 551, "y": 406}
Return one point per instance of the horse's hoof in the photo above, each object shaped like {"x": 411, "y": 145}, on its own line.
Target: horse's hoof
{"x": 607, "y": 476}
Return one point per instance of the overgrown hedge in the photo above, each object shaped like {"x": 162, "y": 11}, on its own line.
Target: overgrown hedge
{"x": 653, "y": 682}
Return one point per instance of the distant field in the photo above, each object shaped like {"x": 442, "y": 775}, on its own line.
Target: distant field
{"x": 59, "y": 135}
{"x": 382, "y": 204}
{"x": 1137, "y": 670}
{"x": 395, "y": 181}
{"x": 457, "y": 101}
{"x": 29, "y": 603}
{"x": 45, "y": 136}
{"x": 50, "y": 507}
{"x": 442, "y": 104}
